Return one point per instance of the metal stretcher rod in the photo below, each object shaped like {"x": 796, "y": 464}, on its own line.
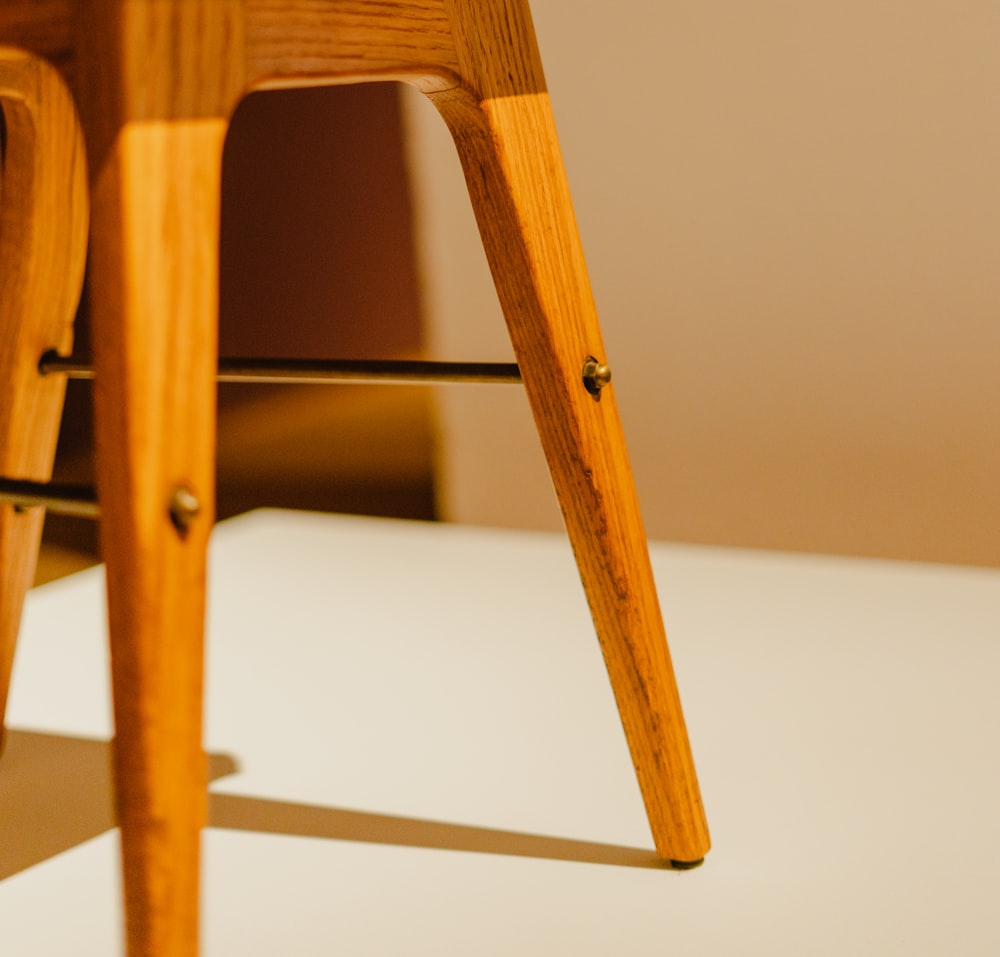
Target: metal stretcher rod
{"x": 321, "y": 371}
{"x": 78, "y": 500}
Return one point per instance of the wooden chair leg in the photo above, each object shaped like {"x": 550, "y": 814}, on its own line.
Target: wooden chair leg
{"x": 153, "y": 317}
{"x": 43, "y": 243}
{"x": 503, "y": 127}
{"x": 156, "y": 153}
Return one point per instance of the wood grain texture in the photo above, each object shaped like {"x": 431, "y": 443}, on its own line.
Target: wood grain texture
{"x": 44, "y": 27}
{"x": 43, "y": 243}
{"x": 157, "y": 85}
{"x": 302, "y": 42}
{"x": 503, "y": 126}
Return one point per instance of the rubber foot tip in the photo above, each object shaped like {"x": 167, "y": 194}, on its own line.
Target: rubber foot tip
{"x": 686, "y": 865}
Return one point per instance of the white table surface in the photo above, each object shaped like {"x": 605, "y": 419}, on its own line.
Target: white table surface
{"x": 445, "y": 684}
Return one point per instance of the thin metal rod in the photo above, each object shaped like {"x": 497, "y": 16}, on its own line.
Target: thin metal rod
{"x": 78, "y": 500}
{"x": 322, "y": 371}
{"x": 364, "y": 370}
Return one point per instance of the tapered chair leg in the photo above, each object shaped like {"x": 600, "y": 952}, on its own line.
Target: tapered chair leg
{"x": 43, "y": 244}
{"x": 153, "y": 322}
{"x": 156, "y": 168}
{"x": 502, "y": 124}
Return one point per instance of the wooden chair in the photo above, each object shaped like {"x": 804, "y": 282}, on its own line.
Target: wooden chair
{"x": 155, "y": 82}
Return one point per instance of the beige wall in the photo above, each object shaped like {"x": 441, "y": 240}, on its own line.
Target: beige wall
{"x": 792, "y": 218}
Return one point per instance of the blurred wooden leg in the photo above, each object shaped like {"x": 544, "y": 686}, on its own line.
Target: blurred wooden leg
{"x": 503, "y": 127}
{"x": 157, "y": 113}
{"x": 43, "y": 243}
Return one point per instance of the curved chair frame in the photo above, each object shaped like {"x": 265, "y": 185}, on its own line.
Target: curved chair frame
{"x": 155, "y": 83}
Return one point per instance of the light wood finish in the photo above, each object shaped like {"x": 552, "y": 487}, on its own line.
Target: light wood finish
{"x": 157, "y": 83}
{"x": 507, "y": 142}
{"x": 294, "y": 43}
{"x": 43, "y": 242}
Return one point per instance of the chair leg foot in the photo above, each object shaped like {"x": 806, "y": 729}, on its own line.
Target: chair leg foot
{"x": 687, "y": 865}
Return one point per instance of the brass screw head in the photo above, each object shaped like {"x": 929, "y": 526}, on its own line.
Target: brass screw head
{"x": 596, "y": 375}
{"x": 184, "y": 507}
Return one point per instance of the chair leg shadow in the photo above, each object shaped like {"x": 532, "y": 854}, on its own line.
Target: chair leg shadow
{"x": 56, "y": 793}
{"x": 235, "y": 812}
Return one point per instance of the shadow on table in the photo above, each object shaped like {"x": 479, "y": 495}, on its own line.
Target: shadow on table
{"x": 56, "y": 793}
